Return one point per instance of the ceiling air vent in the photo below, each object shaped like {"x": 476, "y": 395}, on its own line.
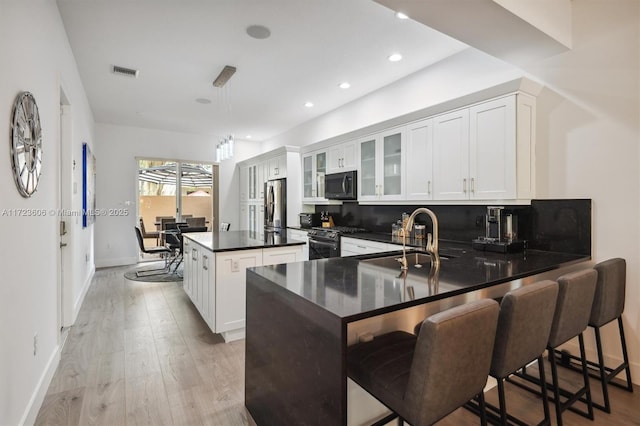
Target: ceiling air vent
{"x": 125, "y": 71}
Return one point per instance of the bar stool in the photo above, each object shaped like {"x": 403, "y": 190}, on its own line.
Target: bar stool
{"x": 608, "y": 305}
{"x": 524, "y": 325}
{"x": 423, "y": 378}
{"x": 575, "y": 298}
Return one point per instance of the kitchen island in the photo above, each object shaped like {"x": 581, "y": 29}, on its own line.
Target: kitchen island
{"x": 214, "y": 272}
{"x": 301, "y": 318}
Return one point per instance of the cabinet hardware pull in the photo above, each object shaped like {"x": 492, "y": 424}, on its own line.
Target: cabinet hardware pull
{"x": 205, "y": 266}
{"x": 464, "y": 185}
{"x": 473, "y": 185}
{"x": 429, "y": 187}
{"x": 362, "y": 247}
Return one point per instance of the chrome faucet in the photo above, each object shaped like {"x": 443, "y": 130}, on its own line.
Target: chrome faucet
{"x": 432, "y": 241}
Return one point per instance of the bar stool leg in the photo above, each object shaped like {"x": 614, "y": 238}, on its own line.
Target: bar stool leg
{"x": 502, "y": 402}
{"x": 556, "y": 387}
{"x": 545, "y": 397}
{"x": 483, "y": 409}
{"x": 625, "y": 356}
{"x": 603, "y": 374}
{"x": 585, "y": 375}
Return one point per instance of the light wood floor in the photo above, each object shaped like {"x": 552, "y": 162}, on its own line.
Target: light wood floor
{"x": 139, "y": 354}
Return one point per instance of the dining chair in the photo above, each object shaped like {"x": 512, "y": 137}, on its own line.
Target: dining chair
{"x": 149, "y": 234}
{"x": 161, "y": 250}
{"x": 195, "y": 221}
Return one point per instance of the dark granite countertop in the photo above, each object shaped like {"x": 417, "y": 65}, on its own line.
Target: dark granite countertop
{"x": 352, "y": 288}
{"x": 240, "y": 240}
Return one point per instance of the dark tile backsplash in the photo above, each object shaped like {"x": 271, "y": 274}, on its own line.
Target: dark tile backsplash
{"x": 553, "y": 225}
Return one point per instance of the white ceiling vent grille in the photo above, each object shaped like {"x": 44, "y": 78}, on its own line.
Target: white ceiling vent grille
{"x": 125, "y": 71}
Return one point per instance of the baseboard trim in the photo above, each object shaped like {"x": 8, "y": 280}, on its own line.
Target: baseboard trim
{"x": 122, "y": 261}
{"x": 80, "y": 299}
{"x": 31, "y": 412}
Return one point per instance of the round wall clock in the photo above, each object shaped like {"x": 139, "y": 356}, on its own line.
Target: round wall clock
{"x": 26, "y": 144}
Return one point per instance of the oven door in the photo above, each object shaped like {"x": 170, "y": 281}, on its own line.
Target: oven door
{"x": 321, "y": 249}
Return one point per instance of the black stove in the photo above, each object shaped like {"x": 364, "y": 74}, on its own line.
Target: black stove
{"x": 325, "y": 242}
{"x": 335, "y": 231}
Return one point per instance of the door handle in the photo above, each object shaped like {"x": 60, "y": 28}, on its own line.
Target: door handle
{"x": 63, "y": 245}
{"x": 344, "y": 184}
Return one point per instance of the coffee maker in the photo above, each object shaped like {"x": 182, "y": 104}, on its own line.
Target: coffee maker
{"x": 501, "y": 232}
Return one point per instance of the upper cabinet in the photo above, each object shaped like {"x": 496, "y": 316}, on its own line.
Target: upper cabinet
{"x": 381, "y": 175}
{"x": 255, "y": 176}
{"x": 485, "y": 152}
{"x": 419, "y": 169}
{"x": 277, "y": 167}
{"x": 492, "y": 150}
{"x": 451, "y": 156}
{"x": 343, "y": 157}
{"x": 314, "y": 167}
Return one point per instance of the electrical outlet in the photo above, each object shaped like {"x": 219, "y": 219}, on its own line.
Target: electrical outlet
{"x": 235, "y": 266}
{"x": 35, "y": 344}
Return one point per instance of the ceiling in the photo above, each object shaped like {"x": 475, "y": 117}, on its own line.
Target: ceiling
{"x": 179, "y": 47}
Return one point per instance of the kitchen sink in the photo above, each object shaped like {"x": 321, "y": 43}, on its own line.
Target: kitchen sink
{"x": 414, "y": 260}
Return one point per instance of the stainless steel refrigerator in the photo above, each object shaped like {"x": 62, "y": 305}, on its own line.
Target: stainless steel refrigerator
{"x": 275, "y": 205}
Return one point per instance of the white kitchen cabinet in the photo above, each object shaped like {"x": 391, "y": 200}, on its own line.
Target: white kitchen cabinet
{"x": 254, "y": 217}
{"x": 492, "y": 150}
{"x": 343, "y": 157}
{"x": 278, "y": 255}
{"x": 451, "y": 155}
{"x": 187, "y": 274}
{"x": 300, "y": 235}
{"x": 216, "y": 282}
{"x": 485, "y": 152}
{"x": 207, "y": 296}
{"x": 244, "y": 184}
{"x": 356, "y": 246}
{"x": 230, "y": 281}
{"x": 419, "y": 160}
{"x": 255, "y": 175}
{"x": 277, "y": 167}
{"x": 381, "y": 174}
{"x": 314, "y": 167}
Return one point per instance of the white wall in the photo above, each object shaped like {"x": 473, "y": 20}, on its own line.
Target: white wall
{"x": 36, "y": 57}
{"x": 587, "y": 129}
{"x": 116, "y": 150}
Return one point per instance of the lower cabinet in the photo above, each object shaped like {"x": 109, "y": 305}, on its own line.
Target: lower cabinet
{"x": 216, "y": 282}
{"x": 356, "y": 246}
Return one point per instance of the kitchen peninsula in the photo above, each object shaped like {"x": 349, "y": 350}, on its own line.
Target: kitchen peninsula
{"x": 214, "y": 272}
{"x": 301, "y": 317}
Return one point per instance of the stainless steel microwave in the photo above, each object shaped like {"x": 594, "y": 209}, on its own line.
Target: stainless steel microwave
{"x": 341, "y": 186}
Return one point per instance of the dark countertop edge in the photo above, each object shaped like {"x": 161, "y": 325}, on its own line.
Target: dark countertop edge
{"x": 424, "y": 300}
{"x": 240, "y": 248}
{"x": 292, "y": 243}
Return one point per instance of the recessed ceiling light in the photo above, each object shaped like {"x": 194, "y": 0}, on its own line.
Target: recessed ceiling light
{"x": 401, "y": 15}
{"x": 308, "y": 104}
{"x": 203, "y": 101}
{"x": 248, "y": 136}
{"x": 259, "y": 32}
{"x": 395, "y": 57}
{"x": 344, "y": 85}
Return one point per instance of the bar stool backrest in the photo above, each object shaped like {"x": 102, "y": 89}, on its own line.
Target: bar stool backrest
{"x": 608, "y": 302}
{"x": 524, "y": 326}
{"x": 575, "y": 298}
{"x": 451, "y": 361}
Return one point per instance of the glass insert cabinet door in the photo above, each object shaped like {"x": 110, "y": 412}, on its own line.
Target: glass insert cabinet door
{"x": 321, "y": 170}
{"x": 307, "y": 172}
{"x": 368, "y": 168}
{"x": 392, "y": 164}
